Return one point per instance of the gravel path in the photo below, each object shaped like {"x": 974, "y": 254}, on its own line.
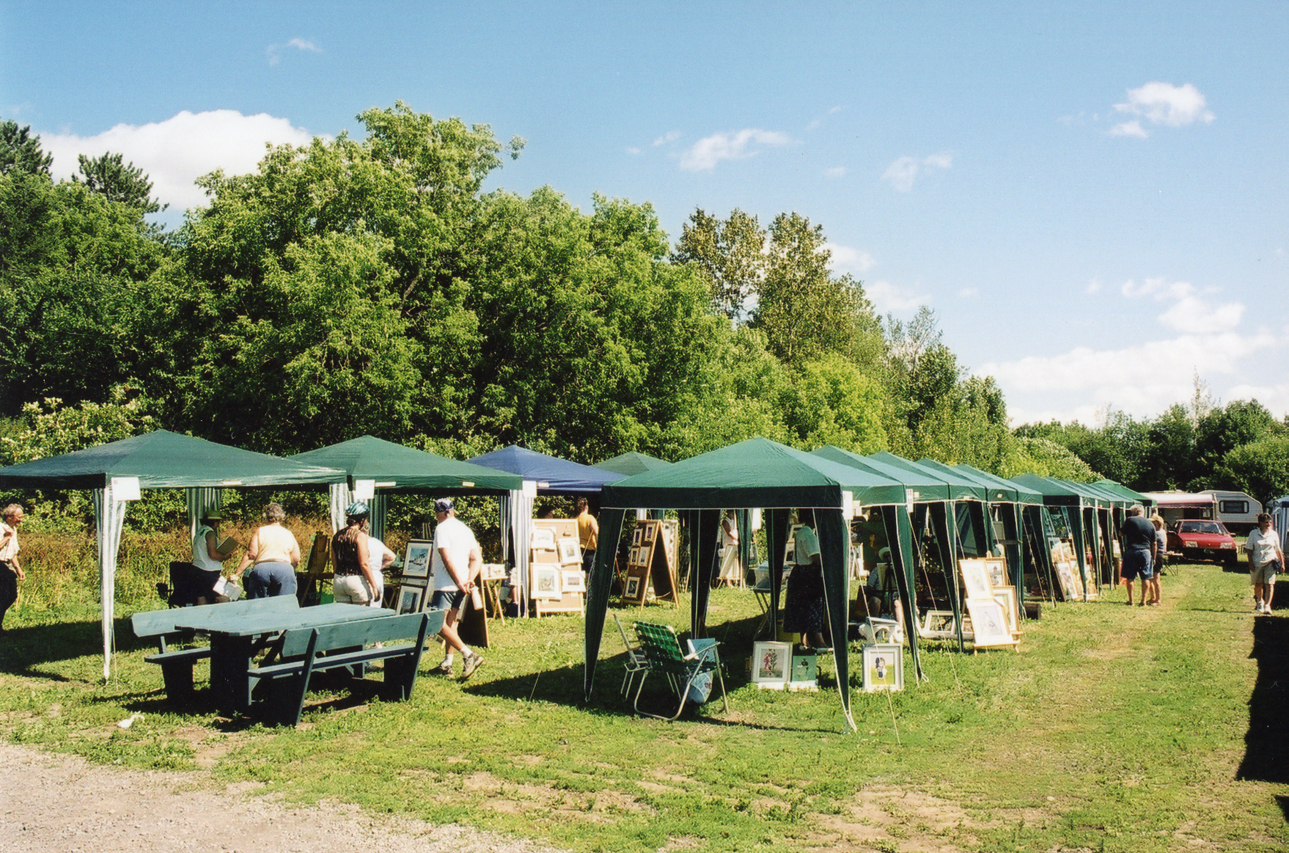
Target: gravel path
{"x": 62, "y": 804}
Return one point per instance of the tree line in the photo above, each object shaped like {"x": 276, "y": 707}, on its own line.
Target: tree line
{"x": 373, "y": 286}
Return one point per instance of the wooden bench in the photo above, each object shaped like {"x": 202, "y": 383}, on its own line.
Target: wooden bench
{"x": 304, "y": 651}
{"x": 177, "y": 664}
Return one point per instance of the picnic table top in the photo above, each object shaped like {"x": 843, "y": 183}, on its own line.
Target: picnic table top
{"x": 239, "y": 624}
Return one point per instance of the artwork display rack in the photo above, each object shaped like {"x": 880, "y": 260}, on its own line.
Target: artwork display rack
{"x": 651, "y": 564}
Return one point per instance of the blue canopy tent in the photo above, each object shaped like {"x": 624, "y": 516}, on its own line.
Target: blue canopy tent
{"x": 757, "y": 473}
{"x": 542, "y": 475}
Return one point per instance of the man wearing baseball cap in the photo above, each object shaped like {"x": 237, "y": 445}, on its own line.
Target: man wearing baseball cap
{"x": 455, "y": 563}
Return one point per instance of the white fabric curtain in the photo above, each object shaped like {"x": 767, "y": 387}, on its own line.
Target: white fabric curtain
{"x": 517, "y": 526}
{"x": 109, "y": 515}
{"x": 342, "y": 496}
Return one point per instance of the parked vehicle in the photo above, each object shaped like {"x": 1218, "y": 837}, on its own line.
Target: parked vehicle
{"x": 1236, "y": 510}
{"x": 1199, "y": 539}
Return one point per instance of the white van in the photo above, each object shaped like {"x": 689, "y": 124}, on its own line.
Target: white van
{"x": 1238, "y": 511}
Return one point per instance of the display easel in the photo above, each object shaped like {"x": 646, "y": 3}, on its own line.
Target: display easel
{"x": 556, "y": 583}
{"x": 651, "y": 564}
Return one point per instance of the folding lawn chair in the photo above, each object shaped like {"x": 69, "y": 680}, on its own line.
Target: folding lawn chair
{"x": 636, "y": 660}
{"x": 663, "y": 654}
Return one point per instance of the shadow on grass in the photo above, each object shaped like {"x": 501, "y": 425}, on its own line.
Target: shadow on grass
{"x": 1266, "y": 749}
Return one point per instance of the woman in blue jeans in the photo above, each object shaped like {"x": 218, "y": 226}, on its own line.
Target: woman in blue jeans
{"x": 272, "y": 557}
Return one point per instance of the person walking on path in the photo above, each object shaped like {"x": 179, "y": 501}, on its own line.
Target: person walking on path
{"x": 10, "y": 570}
{"x": 1139, "y": 548}
{"x": 455, "y": 563}
{"x": 1265, "y": 559}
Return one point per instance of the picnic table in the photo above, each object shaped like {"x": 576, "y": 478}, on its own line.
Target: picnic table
{"x": 236, "y": 637}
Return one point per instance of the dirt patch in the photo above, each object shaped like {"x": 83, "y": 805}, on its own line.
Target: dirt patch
{"x": 62, "y": 804}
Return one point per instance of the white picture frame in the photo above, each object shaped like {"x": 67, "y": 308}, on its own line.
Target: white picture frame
{"x": 771, "y": 665}
{"x": 975, "y": 579}
{"x": 572, "y": 580}
{"x": 1006, "y": 597}
{"x": 546, "y": 583}
{"x": 883, "y": 667}
{"x": 411, "y": 598}
{"x": 543, "y": 539}
{"x": 989, "y": 624}
{"x": 569, "y": 551}
{"x": 418, "y": 558}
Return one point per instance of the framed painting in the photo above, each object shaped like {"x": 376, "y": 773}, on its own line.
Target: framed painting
{"x": 543, "y": 539}
{"x": 989, "y": 624}
{"x": 545, "y": 582}
{"x": 572, "y": 580}
{"x": 1006, "y": 596}
{"x": 975, "y": 577}
{"x": 883, "y": 667}
{"x": 649, "y": 528}
{"x": 634, "y": 591}
{"x": 410, "y": 598}
{"x": 636, "y": 536}
{"x": 997, "y": 567}
{"x": 416, "y": 560}
{"x": 771, "y": 665}
{"x": 569, "y": 551}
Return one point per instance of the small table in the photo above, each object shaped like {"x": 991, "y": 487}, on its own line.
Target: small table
{"x": 233, "y": 643}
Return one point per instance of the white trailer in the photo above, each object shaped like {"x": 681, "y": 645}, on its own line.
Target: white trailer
{"x": 1174, "y": 506}
{"x": 1238, "y": 511}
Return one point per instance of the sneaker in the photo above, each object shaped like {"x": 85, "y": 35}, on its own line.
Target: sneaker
{"x": 444, "y": 668}
{"x": 472, "y": 662}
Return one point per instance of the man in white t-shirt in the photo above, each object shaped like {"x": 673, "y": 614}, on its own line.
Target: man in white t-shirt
{"x": 455, "y": 563}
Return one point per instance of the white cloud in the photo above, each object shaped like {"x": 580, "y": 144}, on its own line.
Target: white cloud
{"x": 1141, "y": 379}
{"x": 175, "y": 152}
{"x": 846, "y": 259}
{"x": 904, "y": 172}
{"x": 1094, "y": 286}
{"x": 836, "y": 172}
{"x": 710, "y": 150}
{"x": 669, "y": 136}
{"x": 1162, "y": 104}
{"x": 889, "y": 299}
{"x": 274, "y": 51}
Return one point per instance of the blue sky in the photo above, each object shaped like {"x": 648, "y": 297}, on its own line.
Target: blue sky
{"x": 1093, "y": 197}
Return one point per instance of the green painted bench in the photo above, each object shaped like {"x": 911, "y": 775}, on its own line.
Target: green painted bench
{"x": 177, "y": 664}
{"x": 284, "y": 684}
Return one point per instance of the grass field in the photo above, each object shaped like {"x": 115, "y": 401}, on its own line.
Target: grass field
{"x": 1114, "y": 728}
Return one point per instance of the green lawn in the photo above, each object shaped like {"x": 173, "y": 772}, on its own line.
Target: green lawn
{"x": 1114, "y": 728}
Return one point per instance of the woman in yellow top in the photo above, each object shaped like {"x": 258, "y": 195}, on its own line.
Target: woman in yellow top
{"x": 588, "y": 533}
{"x": 272, "y": 555}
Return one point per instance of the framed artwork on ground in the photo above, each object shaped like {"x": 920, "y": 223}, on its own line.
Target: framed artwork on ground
{"x": 883, "y": 667}
{"x": 1006, "y": 597}
{"x": 410, "y": 598}
{"x": 771, "y": 665}
{"x": 636, "y": 586}
{"x": 975, "y": 577}
{"x": 416, "y": 560}
{"x": 989, "y": 624}
{"x": 572, "y": 580}
{"x": 546, "y": 582}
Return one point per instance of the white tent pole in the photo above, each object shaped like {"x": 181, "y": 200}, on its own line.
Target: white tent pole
{"x": 109, "y": 515}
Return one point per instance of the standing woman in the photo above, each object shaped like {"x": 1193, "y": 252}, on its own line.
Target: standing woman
{"x": 10, "y": 570}
{"x": 354, "y": 582}
{"x": 272, "y": 555}
{"x": 207, "y": 557}
{"x": 803, "y": 608}
{"x": 1162, "y": 538}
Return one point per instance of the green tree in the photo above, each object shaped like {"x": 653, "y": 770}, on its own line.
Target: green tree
{"x": 1259, "y": 468}
{"x": 1169, "y": 454}
{"x": 729, "y": 256}
{"x": 117, "y": 181}
{"x": 20, "y": 152}
{"x": 830, "y": 402}
{"x": 1047, "y": 458}
{"x": 1221, "y": 430}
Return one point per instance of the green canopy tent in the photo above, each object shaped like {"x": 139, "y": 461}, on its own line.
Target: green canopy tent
{"x": 757, "y": 473}
{"x": 396, "y": 468}
{"x": 1086, "y": 512}
{"x": 933, "y": 499}
{"x": 632, "y": 463}
{"x": 1014, "y": 506}
{"x": 158, "y": 460}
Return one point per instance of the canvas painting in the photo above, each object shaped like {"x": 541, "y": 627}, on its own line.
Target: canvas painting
{"x": 883, "y": 667}
{"x": 546, "y": 582}
{"x": 416, "y": 560}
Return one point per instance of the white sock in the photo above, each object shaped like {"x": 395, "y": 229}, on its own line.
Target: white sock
{"x": 448, "y": 658}
{"x": 465, "y": 651}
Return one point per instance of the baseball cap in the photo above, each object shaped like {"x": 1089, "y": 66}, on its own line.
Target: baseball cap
{"x": 443, "y": 505}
